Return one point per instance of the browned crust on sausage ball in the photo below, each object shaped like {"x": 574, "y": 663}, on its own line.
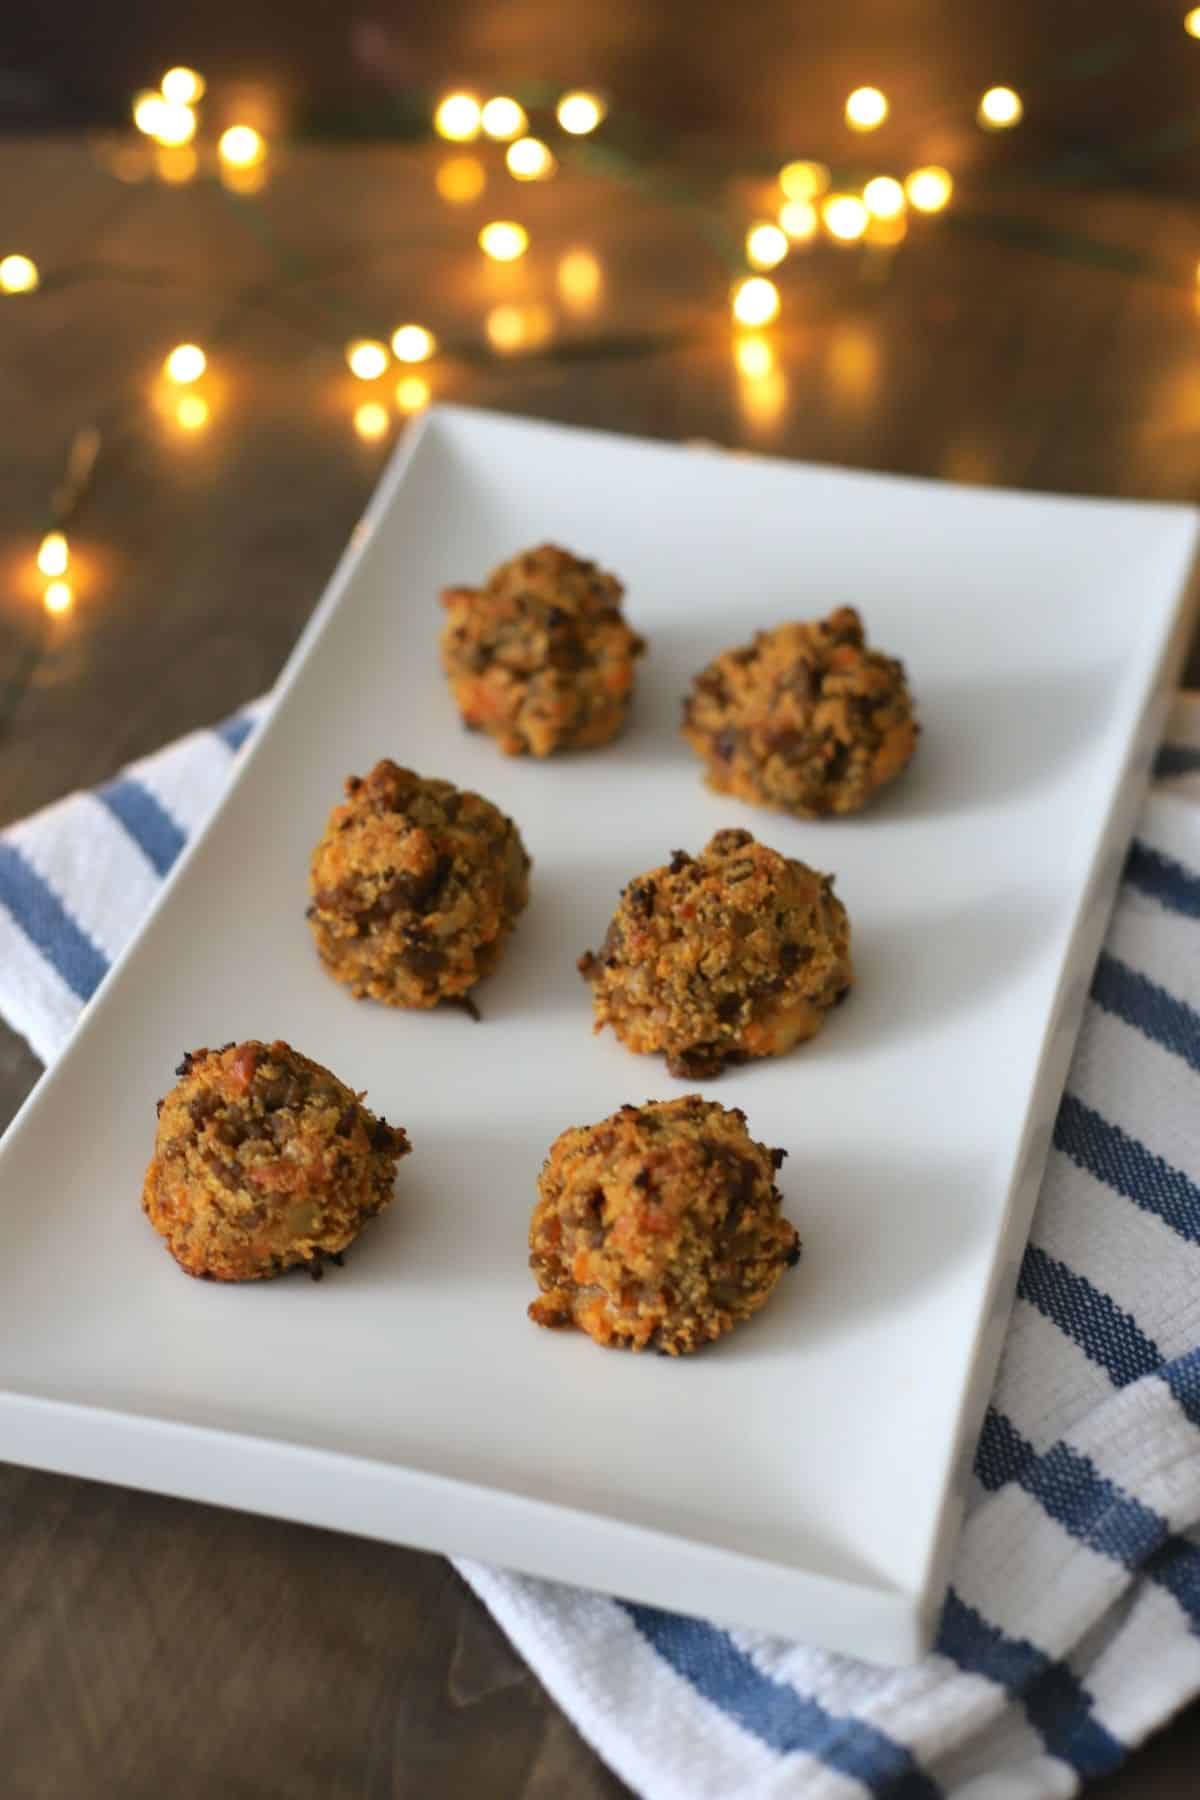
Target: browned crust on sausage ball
{"x": 541, "y": 657}
{"x": 263, "y": 1160}
{"x": 659, "y": 1228}
{"x": 415, "y": 886}
{"x": 736, "y": 954}
{"x": 806, "y": 718}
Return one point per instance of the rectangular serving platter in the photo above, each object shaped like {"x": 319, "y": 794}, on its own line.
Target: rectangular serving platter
{"x": 808, "y": 1474}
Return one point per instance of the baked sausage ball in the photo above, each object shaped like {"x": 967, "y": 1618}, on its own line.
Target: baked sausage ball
{"x": 264, "y": 1160}
{"x": 806, "y": 718}
{"x": 540, "y": 657}
{"x": 658, "y": 1228}
{"x": 734, "y": 954}
{"x": 415, "y": 885}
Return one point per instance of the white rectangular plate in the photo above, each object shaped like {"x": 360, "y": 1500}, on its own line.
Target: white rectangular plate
{"x": 806, "y": 1475}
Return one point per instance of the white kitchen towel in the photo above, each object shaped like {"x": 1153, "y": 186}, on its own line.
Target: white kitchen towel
{"x": 1072, "y": 1623}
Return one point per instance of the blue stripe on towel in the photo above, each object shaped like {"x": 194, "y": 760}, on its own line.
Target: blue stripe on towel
{"x": 234, "y": 731}
{"x": 1163, "y": 879}
{"x": 48, "y": 925}
{"x": 1104, "y": 1333}
{"x": 1150, "y": 1009}
{"x": 1124, "y": 1164}
{"x": 146, "y": 820}
{"x": 1175, "y": 759}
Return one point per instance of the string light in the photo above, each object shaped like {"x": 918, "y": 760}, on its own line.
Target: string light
{"x": 766, "y": 245}
{"x": 1191, "y": 23}
{"x": 187, "y": 362}
{"x": 754, "y": 357}
{"x": 503, "y": 240}
{"x": 845, "y": 217}
{"x": 58, "y": 597}
{"x": 580, "y": 113}
{"x": 929, "y": 189}
{"x": 176, "y": 124}
{"x": 457, "y": 118}
{"x": 413, "y": 344}
{"x": 371, "y": 420}
{"x": 503, "y": 119}
{"x": 999, "y": 108}
{"x": 191, "y": 412}
{"x": 799, "y": 219}
{"x": 804, "y": 180}
{"x": 530, "y": 160}
{"x": 412, "y": 394}
{"x": 755, "y": 301}
{"x": 53, "y": 554}
{"x": 148, "y": 110}
{"x": 866, "y": 109}
{"x": 580, "y": 279}
{"x": 461, "y": 179}
{"x": 182, "y": 86}
{"x": 18, "y": 275}
{"x": 241, "y": 146}
{"x": 367, "y": 358}
{"x": 884, "y": 198}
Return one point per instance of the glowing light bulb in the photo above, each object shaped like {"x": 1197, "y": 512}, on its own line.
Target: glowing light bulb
{"x": 799, "y": 219}
{"x": 367, "y": 358}
{"x": 412, "y": 394}
{"x": 503, "y": 119}
{"x": 58, "y": 597}
{"x": 804, "y": 180}
{"x": 1191, "y": 23}
{"x": 191, "y": 412}
{"x": 241, "y": 146}
{"x": 176, "y": 124}
{"x": 580, "y": 279}
{"x": 503, "y": 240}
{"x": 148, "y": 111}
{"x": 866, "y": 109}
{"x": 754, "y": 357}
{"x": 580, "y": 113}
{"x": 187, "y": 362}
{"x": 530, "y": 160}
{"x": 371, "y": 420}
{"x": 766, "y": 245}
{"x": 457, "y": 118}
{"x": 755, "y": 301}
{"x": 999, "y": 108}
{"x": 53, "y": 555}
{"x": 461, "y": 179}
{"x": 182, "y": 86}
{"x": 413, "y": 344}
{"x": 845, "y": 217}
{"x": 884, "y": 198}
{"x": 18, "y": 275}
{"x": 929, "y": 189}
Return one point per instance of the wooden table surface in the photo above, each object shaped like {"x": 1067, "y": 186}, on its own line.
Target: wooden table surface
{"x": 153, "y": 1647}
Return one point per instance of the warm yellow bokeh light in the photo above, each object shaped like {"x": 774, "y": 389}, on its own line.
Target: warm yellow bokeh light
{"x": 580, "y": 113}
{"x": 53, "y": 555}
{"x": 766, "y": 245}
{"x": 58, "y": 597}
{"x": 1191, "y": 23}
{"x": 887, "y": 233}
{"x": 175, "y": 124}
{"x": 460, "y": 179}
{"x": 804, "y": 180}
{"x": 929, "y": 189}
{"x": 580, "y": 279}
{"x": 187, "y": 362}
{"x": 866, "y": 109}
{"x": 755, "y": 301}
{"x": 530, "y": 160}
{"x": 175, "y": 164}
{"x": 999, "y": 108}
{"x": 884, "y": 197}
{"x": 182, "y": 86}
{"x": 845, "y": 217}
{"x": 513, "y": 328}
{"x": 371, "y": 420}
{"x": 457, "y": 118}
{"x": 243, "y": 181}
{"x": 799, "y": 219}
{"x": 413, "y": 394}
{"x": 18, "y": 275}
{"x": 503, "y": 119}
{"x": 413, "y": 344}
{"x": 367, "y": 358}
{"x": 754, "y": 357}
{"x": 191, "y": 412}
{"x": 148, "y": 110}
{"x": 503, "y": 240}
{"x": 241, "y": 146}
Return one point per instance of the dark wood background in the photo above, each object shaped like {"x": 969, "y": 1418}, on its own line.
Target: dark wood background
{"x": 151, "y": 1646}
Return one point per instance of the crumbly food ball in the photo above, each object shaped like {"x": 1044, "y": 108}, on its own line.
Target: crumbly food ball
{"x": 540, "y": 657}
{"x": 263, "y": 1160}
{"x": 415, "y": 885}
{"x": 658, "y": 1228}
{"x": 806, "y": 718}
{"x": 734, "y": 954}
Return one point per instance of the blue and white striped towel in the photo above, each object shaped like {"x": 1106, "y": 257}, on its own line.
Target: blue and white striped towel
{"x": 1072, "y": 1624}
